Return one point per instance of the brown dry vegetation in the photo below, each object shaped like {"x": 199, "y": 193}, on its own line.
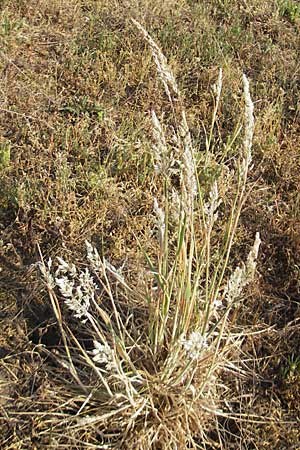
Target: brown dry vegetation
{"x": 76, "y": 87}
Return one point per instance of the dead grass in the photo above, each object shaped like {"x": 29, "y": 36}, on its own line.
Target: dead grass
{"x": 77, "y": 86}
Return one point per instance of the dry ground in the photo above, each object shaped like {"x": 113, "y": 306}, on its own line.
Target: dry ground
{"x": 76, "y": 87}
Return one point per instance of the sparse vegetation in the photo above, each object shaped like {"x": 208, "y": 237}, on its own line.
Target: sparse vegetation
{"x": 139, "y": 144}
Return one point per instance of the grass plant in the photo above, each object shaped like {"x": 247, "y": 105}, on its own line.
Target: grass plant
{"x": 153, "y": 375}
{"x": 129, "y": 178}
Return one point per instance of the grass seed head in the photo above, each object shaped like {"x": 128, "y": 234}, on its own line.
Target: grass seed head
{"x": 93, "y": 257}
{"x": 160, "y": 60}
{"x": 195, "y": 345}
{"x": 243, "y": 274}
{"x": 249, "y": 129}
{"x": 103, "y": 354}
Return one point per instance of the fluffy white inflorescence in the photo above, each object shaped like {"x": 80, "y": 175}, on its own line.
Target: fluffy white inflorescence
{"x": 252, "y": 257}
{"x": 195, "y": 344}
{"x": 79, "y": 304}
{"x": 93, "y": 257}
{"x": 103, "y": 354}
{"x": 160, "y": 60}
{"x": 98, "y": 265}
{"x": 46, "y": 273}
{"x": 162, "y": 160}
{"x": 66, "y": 286}
{"x": 176, "y": 210}
{"x": 217, "y": 87}
{"x": 65, "y": 267}
{"x": 117, "y": 273}
{"x": 249, "y": 128}
{"x": 189, "y": 175}
{"x": 244, "y": 274}
{"x": 249, "y": 117}
{"x": 77, "y": 288}
{"x": 210, "y": 208}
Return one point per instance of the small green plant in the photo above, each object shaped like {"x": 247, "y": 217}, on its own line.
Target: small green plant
{"x": 146, "y": 363}
{"x": 290, "y": 10}
{"x": 9, "y": 26}
{"x": 292, "y": 367}
{"x": 4, "y": 155}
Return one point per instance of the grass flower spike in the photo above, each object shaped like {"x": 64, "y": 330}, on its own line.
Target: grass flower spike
{"x": 243, "y": 274}
{"x": 103, "y": 354}
{"x": 195, "y": 345}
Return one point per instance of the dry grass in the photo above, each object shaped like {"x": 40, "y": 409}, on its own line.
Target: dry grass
{"x": 76, "y": 158}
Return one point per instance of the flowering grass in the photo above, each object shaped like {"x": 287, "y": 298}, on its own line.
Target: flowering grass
{"x": 146, "y": 365}
{"x": 94, "y": 154}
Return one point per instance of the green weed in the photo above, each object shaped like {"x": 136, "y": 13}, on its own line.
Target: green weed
{"x": 290, "y": 10}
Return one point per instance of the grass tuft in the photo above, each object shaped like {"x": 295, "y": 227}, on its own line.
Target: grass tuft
{"x": 150, "y": 366}
{"x": 132, "y": 175}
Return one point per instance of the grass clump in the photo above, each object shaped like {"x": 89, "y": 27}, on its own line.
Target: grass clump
{"x": 147, "y": 362}
{"x": 79, "y": 163}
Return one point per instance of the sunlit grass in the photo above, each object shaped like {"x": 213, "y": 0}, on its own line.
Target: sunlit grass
{"x": 93, "y": 149}
{"x": 157, "y": 379}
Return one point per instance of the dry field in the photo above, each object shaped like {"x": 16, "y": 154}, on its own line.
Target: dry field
{"x": 174, "y": 342}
